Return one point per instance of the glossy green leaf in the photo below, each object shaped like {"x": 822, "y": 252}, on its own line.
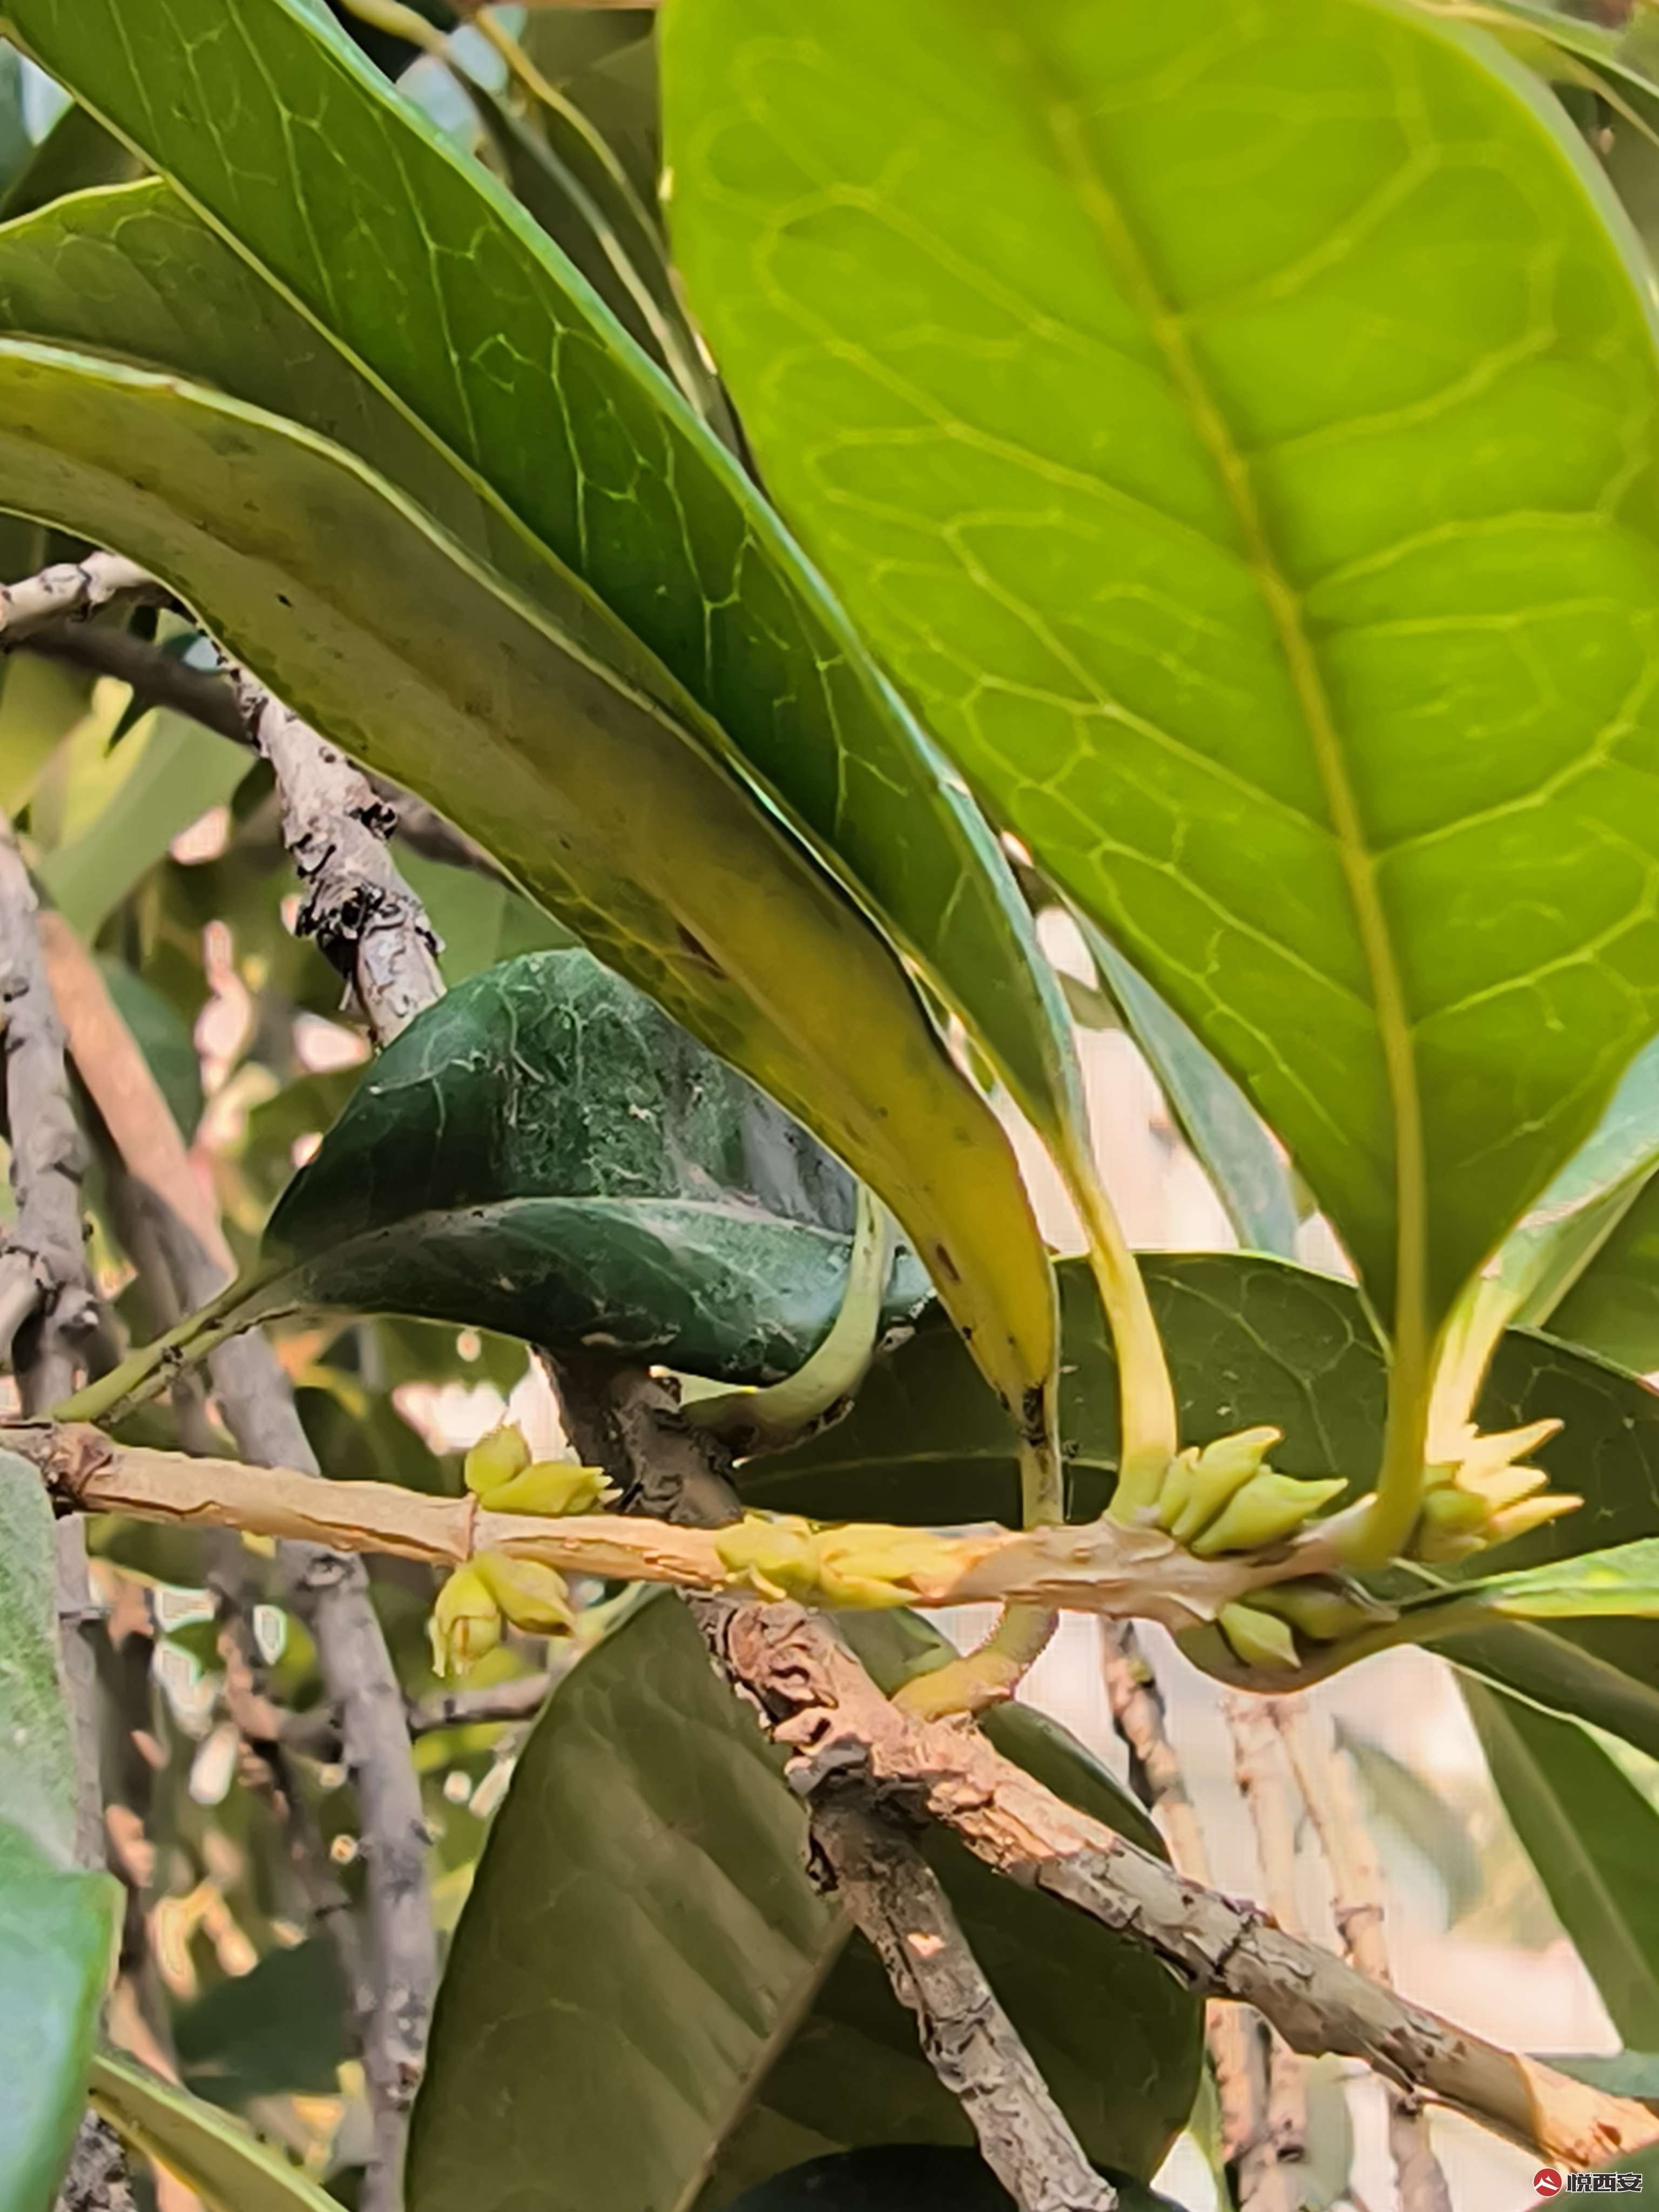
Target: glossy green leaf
{"x": 1235, "y": 1148}
{"x": 507, "y": 379}
{"x": 229, "y": 2169}
{"x": 545, "y": 1153}
{"x": 375, "y": 627}
{"x": 656, "y": 2008}
{"x": 1165, "y": 390}
{"x": 57, "y": 1930}
{"x": 1594, "y": 1839}
{"x": 184, "y": 771}
{"x": 1253, "y": 1339}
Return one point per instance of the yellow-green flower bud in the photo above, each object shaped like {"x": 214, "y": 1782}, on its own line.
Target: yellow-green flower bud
{"x": 1320, "y": 1611}
{"x": 551, "y": 1485}
{"x": 871, "y": 1566}
{"x": 1257, "y": 1638}
{"x": 1269, "y": 1508}
{"x": 531, "y": 1594}
{"x": 776, "y": 1556}
{"x": 465, "y": 1623}
{"x": 1221, "y": 1468}
{"x": 1532, "y": 1513}
{"x": 496, "y": 1459}
{"x": 1175, "y": 1488}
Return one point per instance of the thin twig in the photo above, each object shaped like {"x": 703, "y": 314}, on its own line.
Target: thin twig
{"x": 1323, "y": 1773}
{"x": 825, "y": 1710}
{"x": 1236, "y": 2035}
{"x": 1258, "y": 1765}
{"x": 361, "y": 913}
{"x": 520, "y": 1700}
{"x": 70, "y": 592}
{"x": 897, "y": 1901}
{"x": 392, "y": 1996}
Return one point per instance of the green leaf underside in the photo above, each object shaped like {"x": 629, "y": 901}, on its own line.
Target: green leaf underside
{"x": 1254, "y": 1340}
{"x": 657, "y": 2009}
{"x": 370, "y": 624}
{"x": 511, "y": 373}
{"x": 229, "y": 2169}
{"x": 1613, "y": 1306}
{"x": 1594, "y": 1838}
{"x": 1236, "y": 1152}
{"x": 1236, "y": 426}
{"x": 58, "y": 1928}
{"x": 544, "y": 1152}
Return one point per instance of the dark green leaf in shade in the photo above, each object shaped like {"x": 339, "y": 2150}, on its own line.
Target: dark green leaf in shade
{"x": 508, "y": 402}
{"x": 165, "y": 1039}
{"x": 656, "y": 2008}
{"x": 544, "y": 1152}
{"x": 908, "y": 2177}
{"x": 278, "y": 2030}
{"x": 1594, "y": 1839}
{"x": 75, "y": 154}
{"x": 385, "y": 633}
{"x": 1253, "y": 1339}
{"x": 228, "y": 2168}
{"x": 1044, "y": 325}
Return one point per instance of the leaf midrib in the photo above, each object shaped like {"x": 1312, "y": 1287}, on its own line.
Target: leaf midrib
{"x": 1084, "y": 171}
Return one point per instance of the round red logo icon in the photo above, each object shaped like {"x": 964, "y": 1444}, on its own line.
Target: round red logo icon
{"x": 1546, "y": 2181}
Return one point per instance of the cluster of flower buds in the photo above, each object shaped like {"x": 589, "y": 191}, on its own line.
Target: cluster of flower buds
{"x": 855, "y": 1564}
{"x": 1225, "y": 1498}
{"x": 493, "y": 1587}
{"x": 1316, "y": 1609}
{"x": 1480, "y": 1497}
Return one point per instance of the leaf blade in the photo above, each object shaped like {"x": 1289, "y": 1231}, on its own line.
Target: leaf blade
{"x": 1211, "y": 709}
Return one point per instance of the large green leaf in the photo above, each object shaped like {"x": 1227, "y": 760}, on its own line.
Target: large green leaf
{"x": 230, "y": 2170}
{"x": 1252, "y": 1340}
{"x": 1594, "y": 1838}
{"x": 655, "y": 2007}
{"x": 374, "y": 625}
{"x": 510, "y": 380}
{"x": 1237, "y": 427}
{"x": 545, "y": 1153}
{"x": 58, "y": 1923}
